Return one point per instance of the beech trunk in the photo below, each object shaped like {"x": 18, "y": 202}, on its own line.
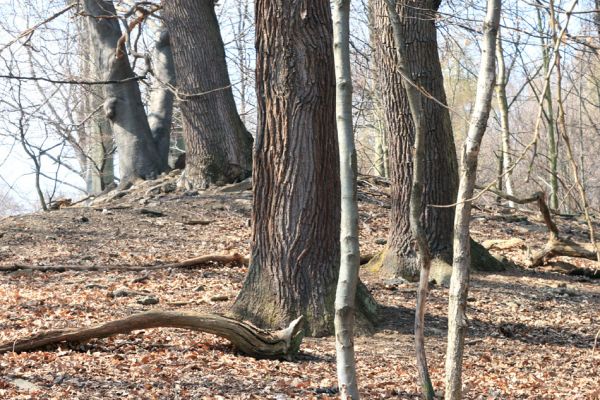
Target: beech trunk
{"x": 162, "y": 98}
{"x": 123, "y": 106}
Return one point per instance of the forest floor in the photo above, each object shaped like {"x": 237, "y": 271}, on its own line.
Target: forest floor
{"x": 531, "y": 331}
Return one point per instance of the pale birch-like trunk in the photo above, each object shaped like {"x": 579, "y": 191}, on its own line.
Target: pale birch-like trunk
{"x": 549, "y": 114}
{"x": 122, "y": 101}
{"x": 501, "y": 82}
{"x": 349, "y": 249}
{"x": 98, "y": 154}
{"x": 459, "y": 283}
{"x": 162, "y": 98}
{"x": 416, "y": 206}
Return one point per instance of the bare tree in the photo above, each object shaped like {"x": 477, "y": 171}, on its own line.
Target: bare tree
{"x": 349, "y": 248}
{"x": 459, "y": 284}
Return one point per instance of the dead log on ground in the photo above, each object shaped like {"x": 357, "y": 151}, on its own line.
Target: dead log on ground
{"x": 563, "y": 247}
{"x": 556, "y": 246}
{"x": 190, "y": 263}
{"x": 249, "y": 339}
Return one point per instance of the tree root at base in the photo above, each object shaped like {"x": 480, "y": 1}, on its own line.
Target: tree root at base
{"x": 247, "y": 338}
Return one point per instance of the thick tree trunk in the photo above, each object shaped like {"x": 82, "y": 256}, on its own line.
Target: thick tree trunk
{"x": 218, "y": 146}
{"x": 459, "y": 284}
{"x": 415, "y": 103}
{"x": 440, "y": 175}
{"x": 162, "y": 98}
{"x": 98, "y": 141}
{"x": 296, "y": 222}
{"x": 349, "y": 247}
{"x": 122, "y": 101}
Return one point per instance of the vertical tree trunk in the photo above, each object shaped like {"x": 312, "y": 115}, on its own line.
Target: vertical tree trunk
{"x": 218, "y": 146}
{"x": 501, "y": 83}
{"x": 459, "y": 284}
{"x": 98, "y": 136}
{"x": 415, "y": 103}
{"x": 296, "y": 222}
{"x": 597, "y": 15}
{"x": 162, "y": 98}
{"x": 122, "y": 101}
{"x": 440, "y": 174}
{"x": 349, "y": 247}
{"x": 549, "y": 114}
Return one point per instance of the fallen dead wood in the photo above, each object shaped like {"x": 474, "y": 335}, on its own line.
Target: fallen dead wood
{"x": 563, "y": 247}
{"x": 247, "y": 338}
{"x": 556, "y": 246}
{"x": 190, "y": 263}
{"x": 501, "y": 244}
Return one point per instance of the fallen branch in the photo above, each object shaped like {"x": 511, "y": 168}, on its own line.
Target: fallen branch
{"x": 563, "y": 247}
{"x": 555, "y": 245}
{"x": 247, "y": 338}
{"x": 192, "y": 262}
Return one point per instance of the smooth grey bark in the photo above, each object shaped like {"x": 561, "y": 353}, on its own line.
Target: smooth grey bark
{"x": 218, "y": 146}
{"x": 418, "y": 115}
{"x": 459, "y": 283}
{"x": 506, "y": 157}
{"x": 138, "y": 158}
{"x": 345, "y": 294}
{"x": 96, "y": 133}
{"x": 162, "y": 98}
{"x": 549, "y": 115}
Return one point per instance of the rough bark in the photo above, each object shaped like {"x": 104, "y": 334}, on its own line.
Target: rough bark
{"x": 459, "y": 283}
{"x": 218, "y": 146}
{"x": 415, "y": 103}
{"x": 440, "y": 175}
{"x": 122, "y": 101}
{"x": 296, "y": 198}
{"x": 245, "y": 337}
{"x": 162, "y": 98}
{"x": 349, "y": 247}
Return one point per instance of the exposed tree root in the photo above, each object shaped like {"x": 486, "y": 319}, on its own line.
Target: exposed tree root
{"x": 192, "y": 262}
{"x": 247, "y": 338}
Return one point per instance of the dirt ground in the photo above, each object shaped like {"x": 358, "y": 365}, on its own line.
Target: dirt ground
{"x": 531, "y": 331}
